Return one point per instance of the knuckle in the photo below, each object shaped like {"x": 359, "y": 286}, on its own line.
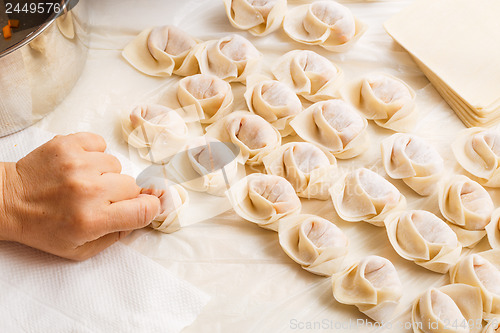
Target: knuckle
{"x": 82, "y": 188}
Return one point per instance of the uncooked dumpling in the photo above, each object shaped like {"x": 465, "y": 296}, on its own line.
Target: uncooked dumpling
{"x": 173, "y": 201}
{"x": 493, "y": 326}
{"x": 272, "y": 100}
{"x": 231, "y": 58}
{"x": 264, "y": 199}
{"x": 493, "y": 230}
{"x": 206, "y": 165}
{"x": 309, "y": 75}
{"x": 477, "y": 150}
{"x": 335, "y": 126}
{"x": 325, "y": 23}
{"x": 363, "y": 195}
{"x": 468, "y": 206}
{"x": 212, "y": 97}
{"x": 424, "y": 238}
{"x": 455, "y": 308}
{"x": 162, "y": 51}
{"x": 316, "y": 244}
{"x": 372, "y": 285}
{"x": 254, "y": 136}
{"x": 310, "y": 170}
{"x": 259, "y": 17}
{"x": 387, "y": 100}
{"x": 481, "y": 270}
{"x": 412, "y": 159}
{"x": 157, "y": 131}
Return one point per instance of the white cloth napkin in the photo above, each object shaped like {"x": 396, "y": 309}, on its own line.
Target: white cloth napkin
{"x": 120, "y": 290}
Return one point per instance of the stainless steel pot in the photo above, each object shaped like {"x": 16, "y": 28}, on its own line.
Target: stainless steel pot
{"x": 41, "y": 62}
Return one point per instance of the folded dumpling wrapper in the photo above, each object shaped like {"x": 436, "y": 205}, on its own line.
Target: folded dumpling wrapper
{"x": 259, "y": 17}
{"x": 372, "y": 285}
{"x": 310, "y": 170}
{"x": 211, "y": 96}
{"x": 206, "y": 165}
{"x": 386, "y": 100}
{"x": 467, "y": 206}
{"x": 273, "y": 100}
{"x": 157, "y": 131}
{"x": 163, "y": 51}
{"x": 334, "y": 126}
{"x": 413, "y": 160}
{"x": 455, "y": 308}
{"x": 264, "y": 199}
{"x": 231, "y": 58}
{"x": 363, "y": 195}
{"x": 325, "y": 23}
{"x": 309, "y": 74}
{"x": 477, "y": 150}
{"x": 313, "y": 242}
{"x": 493, "y": 230}
{"x": 481, "y": 270}
{"x": 254, "y": 136}
{"x": 493, "y": 326}
{"x": 423, "y": 238}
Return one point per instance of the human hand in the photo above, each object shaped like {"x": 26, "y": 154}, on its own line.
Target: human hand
{"x": 68, "y": 198}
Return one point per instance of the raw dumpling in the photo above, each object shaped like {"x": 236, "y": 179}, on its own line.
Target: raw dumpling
{"x": 310, "y": 170}
{"x": 372, "y": 285}
{"x": 493, "y": 230}
{"x": 387, "y": 100}
{"x": 173, "y": 201}
{"x": 254, "y": 136}
{"x": 207, "y": 165}
{"x": 230, "y": 58}
{"x": 272, "y": 100}
{"x": 477, "y": 150}
{"x": 316, "y": 244}
{"x": 264, "y": 199}
{"x": 493, "y": 326}
{"x": 481, "y": 270}
{"x": 259, "y": 17}
{"x": 468, "y": 206}
{"x": 454, "y": 308}
{"x": 335, "y": 126}
{"x": 364, "y": 195}
{"x": 212, "y": 97}
{"x": 325, "y": 23}
{"x": 162, "y": 51}
{"x": 309, "y": 75}
{"x": 412, "y": 159}
{"x": 424, "y": 238}
{"x": 157, "y": 131}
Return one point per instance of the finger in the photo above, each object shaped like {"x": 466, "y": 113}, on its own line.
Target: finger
{"x": 92, "y": 248}
{"x": 105, "y": 163}
{"x": 89, "y": 141}
{"x": 119, "y": 187}
{"x": 132, "y": 214}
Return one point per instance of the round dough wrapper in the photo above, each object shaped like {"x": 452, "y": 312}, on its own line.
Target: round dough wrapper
{"x": 372, "y": 285}
{"x": 309, "y": 74}
{"x": 254, "y": 136}
{"x": 259, "y": 17}
{"x": 310, "y": 170}
{"x": 334, "y": 126}
{"x": 163, "y": 51}
{"x": 412, "y": 159}
{"x": 423, "y": 238}
{"x": 481, "y": 270}
{"x": 325, "y": 23}
{"x": 315, "y": 243}
{"x": 363, "y": 195}
{"x": 264, "y": 199}
{"x": 477, "y": 150}
{"x": 211, "y": 96}
{"x": 451, "y": 308}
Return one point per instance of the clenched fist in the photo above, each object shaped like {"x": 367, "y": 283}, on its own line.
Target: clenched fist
{"x": 68, "y": 198}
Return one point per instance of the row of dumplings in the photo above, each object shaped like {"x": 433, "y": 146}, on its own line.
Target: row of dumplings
{"x": 324, "y": 23}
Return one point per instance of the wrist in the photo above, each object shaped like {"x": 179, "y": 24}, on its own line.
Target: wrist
{"x": 7, "y": 220}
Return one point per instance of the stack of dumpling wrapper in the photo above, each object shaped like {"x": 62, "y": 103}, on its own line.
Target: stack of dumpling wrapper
{"x": 456, "y": 43}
